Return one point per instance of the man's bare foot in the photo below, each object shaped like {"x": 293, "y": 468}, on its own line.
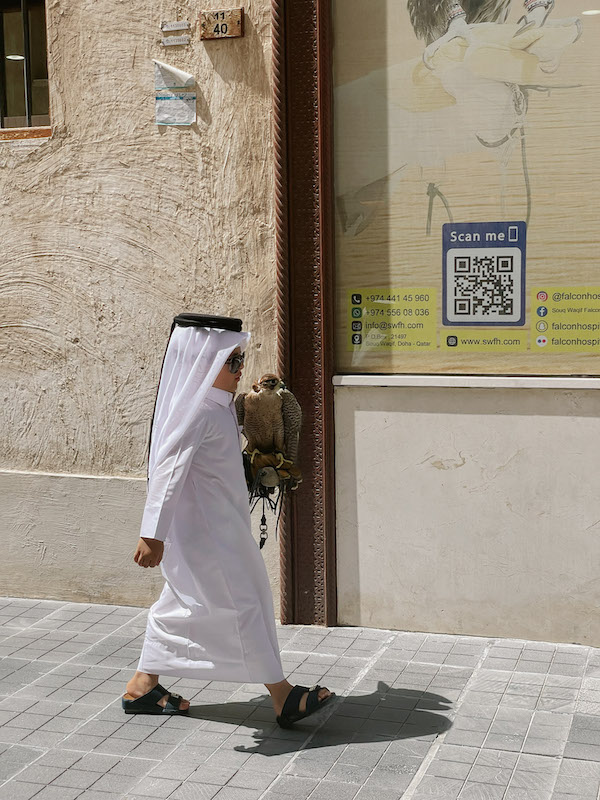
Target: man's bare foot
{"x": 279, "y": 693}
{"x": 142, "y": 683}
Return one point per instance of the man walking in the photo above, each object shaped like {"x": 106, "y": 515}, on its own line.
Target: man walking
{"x": 214, "y": 619}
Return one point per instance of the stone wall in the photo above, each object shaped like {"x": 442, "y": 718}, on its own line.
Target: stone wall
{"x": 109, "y": 228}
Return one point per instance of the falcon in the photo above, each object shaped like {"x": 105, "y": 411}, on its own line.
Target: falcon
{"x": 270, "y": 417}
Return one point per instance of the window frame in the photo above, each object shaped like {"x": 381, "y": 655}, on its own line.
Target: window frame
{"x": 304, "y": 208}
{"x": 30, "y": 131}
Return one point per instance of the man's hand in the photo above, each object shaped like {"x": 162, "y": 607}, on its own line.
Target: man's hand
{"x": 536, "y": 12}
{"x": 149, "y": 552}
{"x": 457, "y": 29}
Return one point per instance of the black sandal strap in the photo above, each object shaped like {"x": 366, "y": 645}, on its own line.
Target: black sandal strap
{"x": 312, "y": 701}
{"x": 164, "y": 692}
{"x": 174, "y": 701}
{"x": 153, "y": 697}
{"x": 291, "y": 707}
{"x": 291, "y": 713}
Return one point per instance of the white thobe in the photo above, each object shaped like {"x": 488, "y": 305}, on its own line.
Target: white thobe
{"x": 214, "y": 619}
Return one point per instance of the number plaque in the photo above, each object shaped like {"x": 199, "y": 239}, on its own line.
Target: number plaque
{"x": 226, "y": 24}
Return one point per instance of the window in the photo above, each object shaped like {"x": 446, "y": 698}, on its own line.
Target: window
{"x": 23, "y": 64}
{"x": 467, "y": 187}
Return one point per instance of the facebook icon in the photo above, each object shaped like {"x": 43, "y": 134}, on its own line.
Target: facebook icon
{"x": 542, "y": 311}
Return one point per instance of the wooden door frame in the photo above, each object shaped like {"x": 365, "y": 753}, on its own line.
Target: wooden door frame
{"x": 302, "y": 128}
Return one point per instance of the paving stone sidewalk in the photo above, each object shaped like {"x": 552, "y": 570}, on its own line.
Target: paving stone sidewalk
{"x": 419, "y": 716}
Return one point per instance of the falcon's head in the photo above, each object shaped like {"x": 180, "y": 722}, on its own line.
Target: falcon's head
{"x": 268, "y": 383}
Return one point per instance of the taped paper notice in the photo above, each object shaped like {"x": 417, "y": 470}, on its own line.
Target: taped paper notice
{"x": 175, "y": 95}
{"x": 175, "y": 108}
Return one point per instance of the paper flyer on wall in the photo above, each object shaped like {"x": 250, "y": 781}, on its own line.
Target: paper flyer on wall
{"x": 175, "y": 95}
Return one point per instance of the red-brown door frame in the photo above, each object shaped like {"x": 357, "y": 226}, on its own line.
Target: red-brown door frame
{"x": 302, "y": 50}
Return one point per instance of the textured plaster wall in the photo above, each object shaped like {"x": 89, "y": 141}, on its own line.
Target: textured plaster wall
{"x": 469, "y": 511}
{"x": 111, "y": 227}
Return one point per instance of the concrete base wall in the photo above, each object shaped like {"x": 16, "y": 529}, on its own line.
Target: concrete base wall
{"x": 71, "y": 537}
{"x": 469, "y": 511}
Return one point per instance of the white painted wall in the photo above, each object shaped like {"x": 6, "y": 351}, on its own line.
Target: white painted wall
{"x": 72, "y": 537}
{"x": 109, "y": 229}
{"x": 469, "y": 511}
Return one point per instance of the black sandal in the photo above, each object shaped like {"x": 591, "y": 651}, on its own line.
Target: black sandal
{"x": 148, "y": 703}
{"x": 291, "y": 713}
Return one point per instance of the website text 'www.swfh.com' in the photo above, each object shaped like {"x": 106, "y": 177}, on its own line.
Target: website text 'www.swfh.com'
{"x": 485, "y": 341}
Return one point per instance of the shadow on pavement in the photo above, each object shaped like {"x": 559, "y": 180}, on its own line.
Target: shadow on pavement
{"x": 383, "y": 716}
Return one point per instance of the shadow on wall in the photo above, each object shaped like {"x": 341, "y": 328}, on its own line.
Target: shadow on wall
{"x": 248, "y": 66}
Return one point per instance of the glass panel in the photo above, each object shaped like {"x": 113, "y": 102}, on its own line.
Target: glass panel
{"x": 467, "y": 174}
{"x": 14, "y": 66}
{"x": 39, "y": 65}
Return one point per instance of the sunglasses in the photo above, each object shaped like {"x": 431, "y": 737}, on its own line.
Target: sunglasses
{"x": 235, "y": 362}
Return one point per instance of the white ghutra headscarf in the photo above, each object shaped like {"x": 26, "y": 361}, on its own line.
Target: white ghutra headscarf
{"x": 198, "y": 348}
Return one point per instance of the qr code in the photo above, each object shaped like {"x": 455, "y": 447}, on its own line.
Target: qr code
{"x": 483, "y": 285}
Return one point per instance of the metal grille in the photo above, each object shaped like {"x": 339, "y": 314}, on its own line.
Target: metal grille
{"x": 23, "y": 64}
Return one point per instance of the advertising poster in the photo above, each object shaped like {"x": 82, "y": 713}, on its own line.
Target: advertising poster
{"x": 467, "y": 186}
